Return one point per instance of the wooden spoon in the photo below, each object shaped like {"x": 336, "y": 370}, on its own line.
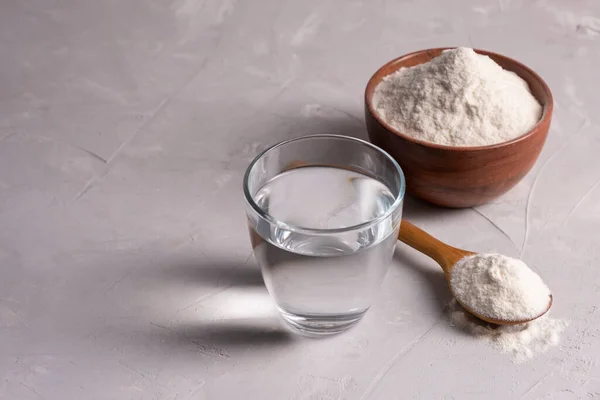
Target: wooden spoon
{"x": 447, "y": 257}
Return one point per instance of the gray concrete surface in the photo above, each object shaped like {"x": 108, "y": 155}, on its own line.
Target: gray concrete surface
{"x": 125, "y": 267}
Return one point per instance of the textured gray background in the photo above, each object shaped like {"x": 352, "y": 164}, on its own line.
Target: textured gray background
{"x": 125, "y": 268}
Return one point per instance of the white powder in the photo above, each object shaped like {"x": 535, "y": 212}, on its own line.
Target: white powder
{"x": 459, "y": 98}
{"x": 499, "y": 287}
{"x": 521, "y": 342}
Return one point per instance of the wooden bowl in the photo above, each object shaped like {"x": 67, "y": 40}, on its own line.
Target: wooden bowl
{"x": 460, "y": 176}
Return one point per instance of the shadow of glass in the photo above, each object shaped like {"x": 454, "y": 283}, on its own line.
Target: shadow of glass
{"x": 216, "y": 273}
{"x": 219, "y": 338}
{"x": 232, "y": 334}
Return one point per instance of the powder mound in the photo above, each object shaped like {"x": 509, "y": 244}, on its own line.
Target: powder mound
{"x": 499, "y": 287}
{"x": 459, "y": 98}
{"x": 521, "y": 342}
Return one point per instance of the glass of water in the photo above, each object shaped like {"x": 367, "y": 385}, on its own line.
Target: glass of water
{"x": 324, "y": 213}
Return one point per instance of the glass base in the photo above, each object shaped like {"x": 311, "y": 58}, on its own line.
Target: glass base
{"x": 321, "y": 325}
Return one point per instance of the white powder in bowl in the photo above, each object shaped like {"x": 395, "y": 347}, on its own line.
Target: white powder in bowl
{"x": 459, "y": 98}
{"x": 499, "y": 287}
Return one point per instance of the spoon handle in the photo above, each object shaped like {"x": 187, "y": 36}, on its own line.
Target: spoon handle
{"x": 445, "y": 255}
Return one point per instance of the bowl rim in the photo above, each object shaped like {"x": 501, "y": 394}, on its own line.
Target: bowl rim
{"x": 546, "y": 108}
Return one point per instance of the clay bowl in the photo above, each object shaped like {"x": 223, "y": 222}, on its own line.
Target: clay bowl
{"x": 460, "y": 176}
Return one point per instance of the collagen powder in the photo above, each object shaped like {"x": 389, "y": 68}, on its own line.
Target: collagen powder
{"x": 499, "y": 287}
{"x": 459, "y": 98}
{"x": 503, "y": 288}
{"x": 521, "y": 342}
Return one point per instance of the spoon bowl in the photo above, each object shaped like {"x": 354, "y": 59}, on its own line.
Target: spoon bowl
{"x": 447, "y": 257}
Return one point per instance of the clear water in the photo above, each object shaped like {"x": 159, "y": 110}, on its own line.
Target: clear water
{"x": 325, "y": 276}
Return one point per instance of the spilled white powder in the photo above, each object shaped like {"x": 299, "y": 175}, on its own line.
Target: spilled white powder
{"x": 521, "y": 342}
{"x": 459, "y": 98}
{"x": 499, "y": 287}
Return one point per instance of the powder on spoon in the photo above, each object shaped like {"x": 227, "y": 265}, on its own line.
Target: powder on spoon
{"x": 499, "y": 287}
{"x": 459, "y": 98}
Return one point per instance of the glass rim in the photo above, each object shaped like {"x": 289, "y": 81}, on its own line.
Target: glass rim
{"x": 295, "y": 228}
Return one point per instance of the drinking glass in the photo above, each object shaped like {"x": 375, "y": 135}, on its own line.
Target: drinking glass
{"x": 323, "y": 213}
